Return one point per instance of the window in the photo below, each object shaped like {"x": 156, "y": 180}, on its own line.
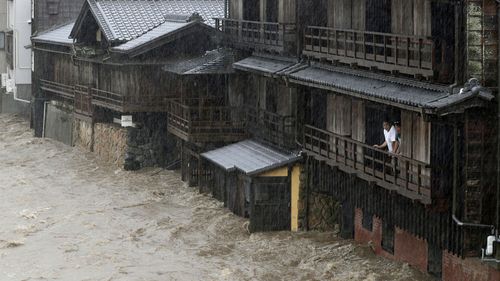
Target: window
{"x": 2, "y": 40}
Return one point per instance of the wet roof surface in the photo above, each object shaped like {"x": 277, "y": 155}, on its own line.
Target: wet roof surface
{"x": 124, "y": 20}
{"x": 403, "y": 94}
{"x": 212, "y": 62}
{"x": 263, "y": 64}
{"x": 250, "y": 157}
{"x": 59, "y": 35}
{"x": 164, "y": 29}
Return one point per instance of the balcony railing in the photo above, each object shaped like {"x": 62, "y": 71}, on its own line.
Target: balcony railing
{"x": 407, "y": 176}
{"x": 270, "y": 36}
{"x": 271, "y": 127}
{"x": 412, "y": 55}
{"x": 203, "y": 120}
{"x": 56, "y": 89}
{"x": 83, "y": 101}
{"x": 123, "y": 103}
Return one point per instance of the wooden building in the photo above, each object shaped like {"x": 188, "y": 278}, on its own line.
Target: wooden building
{"x": 336, "y": 70}
{"x": 274, "y": 79}
{"x": 154, "y": 61}
{"x": 254, "y": 182}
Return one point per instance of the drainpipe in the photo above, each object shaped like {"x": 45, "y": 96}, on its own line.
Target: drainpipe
{"x": 19, "y": 99}
{"x": 498, "y": 113}
{"x": 43, "y": 118}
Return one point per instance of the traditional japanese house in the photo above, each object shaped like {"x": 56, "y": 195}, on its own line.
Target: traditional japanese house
{"x": 262, "y": 35}
{"x": 376, "y": 60}
{"x": 140, "y": 60}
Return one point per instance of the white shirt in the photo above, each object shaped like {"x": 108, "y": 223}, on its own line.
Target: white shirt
{"x": 390, "y": 137}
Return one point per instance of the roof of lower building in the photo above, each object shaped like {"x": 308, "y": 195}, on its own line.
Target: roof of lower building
{"x": 124, "y": 20}
{"x": 212, "y": 62}
{"x": 57, "y": 36}
{"x": 264, "y": 65}
{"x": 249, "y": 157}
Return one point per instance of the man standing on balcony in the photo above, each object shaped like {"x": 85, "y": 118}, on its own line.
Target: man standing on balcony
{"x": 390, "y": 138}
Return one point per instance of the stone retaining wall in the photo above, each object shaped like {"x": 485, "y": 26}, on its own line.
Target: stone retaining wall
{"x": 110, "y": 143}
{"x": 146, "y": 145}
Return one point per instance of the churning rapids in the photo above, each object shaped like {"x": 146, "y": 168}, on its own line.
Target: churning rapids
{"x": 65, "y": 216}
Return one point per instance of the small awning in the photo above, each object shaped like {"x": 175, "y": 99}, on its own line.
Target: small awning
{"x": 212, "y": 62}
{"x": 249, "y": 157}
{"x": 57, "y": 36}
{"x": 264, "y": 65}
{"x": 403, "y": 93}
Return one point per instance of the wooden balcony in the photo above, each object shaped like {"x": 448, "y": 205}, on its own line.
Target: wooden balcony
{"x": 58, "y": 90}
{"x": 83, "y": 102}
{"x": 411, "y": 55}
{"x": 130, "y": 104}
{"x": 409, "y": 177}
{"x": 271, "y": 127}
{"x": 205, "y": 120}
{"x": 256, "y": 35}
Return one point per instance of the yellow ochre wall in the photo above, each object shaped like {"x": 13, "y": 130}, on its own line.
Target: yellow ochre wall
{"x": 295, "y": 198}
{"x": 295, "y": 185}
{"x": 280, "y": 172}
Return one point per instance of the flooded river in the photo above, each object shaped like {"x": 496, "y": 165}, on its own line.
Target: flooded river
{"x": 65, "y": 216}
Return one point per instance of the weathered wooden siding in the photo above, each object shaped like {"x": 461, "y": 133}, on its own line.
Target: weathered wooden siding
{"x": 339, "y": 115}
{"x": 236, "y": 9}
{"x": 287, "y": 11}
{"x": 347, "y": 14}
{"x": 415, "y": 137}
{"x": 64, "y": 70}
{"x": 411, "y": 17}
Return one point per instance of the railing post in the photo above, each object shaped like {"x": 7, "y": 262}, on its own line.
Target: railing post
{"x": 407, "y": 174}
{"x": 420, "y": 53}
{"x": 419, "y": 178}
{"x": 394, "y": 168}
{"x": 408, "y": 40}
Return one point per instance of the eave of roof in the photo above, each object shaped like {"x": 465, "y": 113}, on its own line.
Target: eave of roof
{"x": 249, "y": 157}
{"x": 267, "y": 66}
{"x": 212, "y": 62}
{"x": 56, "y": 36}
{"x": 420, "y": 97}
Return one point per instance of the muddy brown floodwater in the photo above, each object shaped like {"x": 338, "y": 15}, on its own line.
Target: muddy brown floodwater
{"x": 65, "y": 216}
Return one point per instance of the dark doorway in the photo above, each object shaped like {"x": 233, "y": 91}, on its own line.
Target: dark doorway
{"x": 316, "y": 109}
{"x": 251, "y": 10}
{"x": 272, "y": 10}
{"x": 271, "y": 97}
{"x": 378, "y": 15}
{"x": 270, "y": 204}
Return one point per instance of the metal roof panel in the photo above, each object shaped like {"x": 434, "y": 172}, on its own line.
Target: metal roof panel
{"x": 249, "y": 157}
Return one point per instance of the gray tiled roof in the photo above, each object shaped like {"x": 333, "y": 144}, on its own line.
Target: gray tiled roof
{"x": 58, "y": 36}
{"x": 163, "y": 30}
{"x": 212, "y": 62}
{"x": 263, "y": 64}
{"x": 432, "y": 98}
{"x": 368, "y": 87}
{"x": 249, "y": 157}
{"x": 124, "y": 20}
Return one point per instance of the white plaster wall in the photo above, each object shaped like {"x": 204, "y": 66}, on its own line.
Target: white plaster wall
{"x": 19, "y": 21}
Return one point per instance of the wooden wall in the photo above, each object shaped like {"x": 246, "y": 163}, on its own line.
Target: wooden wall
{"x": 415, "y": 137}
{"x": 287, "y": 11}
{"x": 346, "y": 14}
{"x": 411, "y": 17}
{"x": 236, "y": 9}
{"x": 338, "y": 118}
